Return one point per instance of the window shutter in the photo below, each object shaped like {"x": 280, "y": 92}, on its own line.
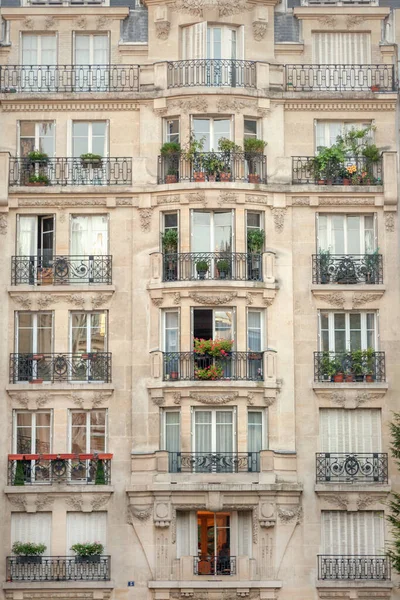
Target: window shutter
{"x": 356, "y": 430}
{"x": 34, "y": 528}
{"x": 84, "y": 527}
{"x": 341, "y": 48}
{"x": 244, "y": 534}
{"x": 345, "y": 533}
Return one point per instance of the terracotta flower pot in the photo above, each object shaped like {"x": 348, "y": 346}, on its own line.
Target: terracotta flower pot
{"x": 349, "y": 378}
{"x": 174, "y": 374}
{"x": 254, "y": 178}
{"x": 36, "y": 381}
{"x": 225, "y": 176}
{"x": 199, "y": 176}
{"x": 346, "y": 181}
{"x": 171, "y": 179}
{"x": 338, "y": 378}
{"x": 211, "y": 178}
{"x": 369, "y": 378}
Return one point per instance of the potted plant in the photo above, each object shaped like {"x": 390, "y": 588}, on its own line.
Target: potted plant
{"x": 337, "y": 369}
{"x": 28, "y": 552}
{"x": 324, "y": 261}
{"x": 19, "y": 477}
{"x": 202, "y": 268}
{"x": 223, "y": 266}
{"x": 170, "y": 241}
{"x": 37, "y": 157}
{"x": 212, "y": 372}
{"x": 255, "y": 245}
{"x": 357, "y": 366}
{"x": 328, "y": 163}
{"x": 372, "y": 157}
{"x": 375, "y": 88}
{"x": 88, "y": 552}
{"x": 327, "y": 367}
{"x": 170, "y": 151}
{"x": 38, "y": 180}
{"x": 194, "y": 154}
{"x": 100, "y": 477}
{"x": 253, "y": 148}
{"x": 212, "y": 165}
{"x": 216, "y": 348}
{"x": 91, "y": 160}
{"x": 370, "y": 365}
{"x": 372, "y": 267}
{"x": 228, "y": 149}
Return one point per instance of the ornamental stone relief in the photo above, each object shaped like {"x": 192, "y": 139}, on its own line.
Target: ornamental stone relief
{"x": 99, "y": 300}
{"x": 145, "y": 215}
{"x": 197, "y": 197}
{"x": 102, "y": 22}
{"x": 162, "y": 29}
{"x": 46, "y": 300}
{"x": 360, "y": 299}
{"x": 389, "y": 222}
{"x": 227, "y": 198}
{"x": 50, "y": 22}
{"x": 226, "y": 8}
{"x": 141, "y": 513}
{"x": 278, "y": 214}
{"x": 256, "y": 199}
{"x": 213, "y": 398}
{"x": 76, "y": 300}
{"x": 235, "y": 105}
{"x": 333, "y": 299}
{"x": 287, "y": 515}
{"x": 259, "y": 30}
{"x": 213, "y": 300}
{"x": 23, "y": 300}
{"x": 3, "y": 224}
{"x": 81, "y": 22}
{"x": 168, "y": 200}
{"x": 188, "y": 105}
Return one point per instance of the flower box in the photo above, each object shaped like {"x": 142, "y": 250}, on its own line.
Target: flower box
{"x": 92, "y": 558}
{"x": 171, "y": 179}
{"x": 254, "y": 178}
{"x": 29, "y": 560}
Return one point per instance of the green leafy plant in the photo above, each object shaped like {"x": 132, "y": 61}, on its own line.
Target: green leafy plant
{"x": 324, "y": 261}
{"x": 215, "y": 348}
{"x": 37, "y": 156}
{"x": 369, "y": 361}
{"x": 328, "y": 163}
{"x": 39, "y": 179}
{"x": 212, "y": 372}
{"x": 212, "y": 164}
{"x": 328, "y": 366}
{"x": 223, "y": 265}
{"x": 170, "y": 148}
{"x": 19, "y": 477}
{"x": 100, "y": 478}
{"x": 372, "y": 266}
{"x": 170, "y": 241}
{"x": 28, "y": 549}
{"x": 88, "y": 549}
{"x": 254, "y": 146}
{"x": 393, "y": 551}
{"x": 255, "y": 240}
{"x": 357, "y": 362}
{"x": 202, "y": 266}
{"x": 91, "y": 157}
{"x": 227, "y": 146}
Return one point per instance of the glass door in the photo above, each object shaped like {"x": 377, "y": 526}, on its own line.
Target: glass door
{"x": 88, "y": 345}
{"x": 213, "y": 441}
{"x": 87, "y": 435}
{"x": 34, "y": 340}
{"x": 89, "y": 138}
{"x": 89, "y": 242}
{"x": 38, "y": 59}
{"x": 172, "y": 439}
{"x": 211, "y": 242}
{"x": 222, "y": 54}
{"x": 254, "y": 344}
{"x": 216, "y": 324}
{"x": 32, "y": 435}
{"x": 91, "y": 61}
{"x": 214, "y": 543}
{"x": 254, "y": 439}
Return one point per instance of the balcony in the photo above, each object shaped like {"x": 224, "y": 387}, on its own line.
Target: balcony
{"x": 61, "y": 270}
{"x": 354, "y": 171}
{"x": 348, "y": 367}
{"x": 235, "y": 366}
{"x": 212, "y": 73}
{"x": 339, "y": 2}
{"x": 21, "y": 569}
{"x": 219, "y": 167}
{"x": 353, "y": 568}
{"x": 211, "y": 266}
{"x": 347, "y": 269}
{"x": 92, "y": 367}
{"x": 214, "y": 565}
{"x": 52, "y": 79}
{"x": 219, "y": 462}
{"x": 340, "y": 78}
{"x": 70, "y": 171}
{"x": 31, "y": 469}
{"x": 347, "y": 467}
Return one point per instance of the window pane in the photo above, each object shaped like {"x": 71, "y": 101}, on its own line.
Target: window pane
{"x": 223, "y": 324}
{"x": 253, "y": 220}
{"x": 172, "y": 129}
{"x": 78, "y": 418}
{"x": 43, "y": 419}
{"x": 250, "y": 128}
{"x": 27, "y": 129}
{"x": 170, "y": 220}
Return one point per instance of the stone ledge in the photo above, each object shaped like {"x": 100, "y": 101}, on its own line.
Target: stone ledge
{"x": 106, "y": 388}
{"x": 59, "y": 488}
{"x": 216, "y": 583}
{"x": 15, "y": 290}
{"x": 291, "y": 488}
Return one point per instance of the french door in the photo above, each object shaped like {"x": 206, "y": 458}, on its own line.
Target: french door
{"x": 350, "y": 431}
{"x": 171, "y": 438}
{"x": 347, "y": 331}
{"x": 214, "y": 440}
{"x": 91, "y": 61}
{"x": 32, "y": 435}
{"x": 352, "y": 533}
{"x": 87, "y": 434}
{"x": 347, "y": 234}
{"x": 211, "y": 130}
{"x": 35, "y": 247}
{"x": 33, "y": 340}
{"x": 38, "y": 60}
{"x": 211, "y": 242}
{"x": 89, "y": 242}
{"x": 214, "y": 543}
{"x": 88, "y": 345}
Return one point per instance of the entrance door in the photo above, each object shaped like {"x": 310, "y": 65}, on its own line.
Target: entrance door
{"x": 214, "y": 543}
{"x": 214, "y": 441}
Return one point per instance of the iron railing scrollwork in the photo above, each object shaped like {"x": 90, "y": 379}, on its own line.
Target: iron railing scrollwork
{"x": 357, "y": 365}
{"x": 352, "y": 467}
{"x": 61, "y": 270}
{"x": 214, "y": 462}
{"x": 347, "y": 268}
{"x": 355, "y": 170}
{"x": 245, "y": 167}
{"x": 70, "y": 171}
{"x": 69, "y": 78}
{"x": 353, "y": 567}
{"x": 340, "y": 78}
{"x": 232, "y": 266}
{"x": 51, "y": 367}
{"x": 211, "y": 72}
{"x": 58, "y": 568}
{"x": 235, "y": 366}
{"x": 214, "y": 565}
{"x": 33, "y": 469}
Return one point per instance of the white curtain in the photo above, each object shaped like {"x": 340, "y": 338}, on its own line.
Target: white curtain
{"x": 224, "y": 431}
{"x": 254, "y": 330}
{"x": 357, "y": 430}
{"x": 203, "y": 431}
{"x": 27, "y": 229}
{"x": 244, "y": 534}
{"x": 89, "y": 235}
{"x": 172, "y": 441}
{"x": 341, "y": 48}
{"x": 171, "y": 331}
{"x": 254, "y": 431}
{"x": 86, "y": 527}
{"x": 345, "y": 533}
{"x": 194, "y": 41}
{"x": 34, "y": 528}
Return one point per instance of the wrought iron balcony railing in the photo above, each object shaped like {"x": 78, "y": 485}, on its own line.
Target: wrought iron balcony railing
{"x": 61, "y": 270}
{"x": 30, "y": 469}
{"x": 244, "y": 167}
{"x": 211, "y": 72}
{"x": 67, "y": 366}
{"x": 214, "y": 565}
{"x": 353, "y": 567}
{"x": 354, "y": 171}
{"x": 58, "y": 568}
{"x": 339, "y": 2}
{"x": 340, "y": 78}
{"x": 214, "y": 462}
{"x": 347, "y": 268}
{"x": 357, "y": 365}
{"x": 199, "y": 266}
{"x": 235, "y": 366}
{"x": 70, "y": 171}
{"x": 51, "y": 79}
{"x": 352, "y": 467}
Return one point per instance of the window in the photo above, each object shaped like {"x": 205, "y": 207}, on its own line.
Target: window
{"x": 34, "y": 528}
{"x": 341, "y": 331}
{"x": 203, "y": 41}
{"x": 33, "y": 339}
{"x": 89, "y": 137}
{"x": 91, "y": 49}
{"x": 39, "y": 49}
{"x": 32, "y": 432}
{"x": 250, "y": 128}
{"x": 88, "y": 332}
{"x": 85, "y": 527}
{"x": 255, "y": 438}
{"x": 171, "y": 331}
{"x": 214, "y": 324}
{"x": 255, "y": 342}
{"x": 212, "y": 231}
{"x": 88, "y": 431}
{"x": 172, "y": 133}
{"x": 341, "y": 48}
{"x": 357, "y": 430}
{"x": 36, "y": 136}
{"x": 89, "y": 235}
{"x": 211, "y": 130}
{"x": 347, "y": 234}
{"x": 327, "y": 131}
{"x": 171, "y": 438}
{"x": 352, "y": 533}
{"x": 35, "y": 239}
{"x": 214, "y": 440}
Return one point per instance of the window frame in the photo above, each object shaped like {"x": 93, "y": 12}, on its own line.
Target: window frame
{"x": 87, "y": 427}
{"x": 33, "y": 427}
{"x": 34, "y": 328}
{"x": 88, "y": 313}
{"x": 363, "y": 329}
{"x": 90, "y": 135}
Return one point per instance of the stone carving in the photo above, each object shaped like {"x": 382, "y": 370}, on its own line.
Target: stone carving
{"x": 157, "y": 301}
{"x": 168, "y": 200}
{"x": 145, "y": 219}
{"x": 327, "y": 21}
{"x": 197, "y": 197}
{"x": 18, "y": 501}
{"x": 365, "y": 397}
{"x": 364, "y": 501}
{"x": 186, "y": 594}
{"x": 3, "y": 225}
{"x": 77, "y": 400}
{"x": 46, "y": 300}
{"x": 43, "y": 399}
{"x": 389, "y": 222}
{"x": 28, "y": 23}
{"x": 23, "y": 300}
{"x": 213, "y": 300}
{"x": 339, "y": 501}
{"x": 226, "y": 8}
{"x": 98, "y": 399}
{"x": 269, "y": 400}
{"x": 81, "y": 22}
{"x": 102, "y": 22}
{"x": 267, "y": 301}
{"x": 124, "y": 201}
{"x": 177, "y": 397}
{"x": 99, "y": 300}
{"x": 69, "y": 106}
{"x": 99, "y": 502}
{"x": 158, "y": 400}
{"x": 213, "y": 398}
{"x": 354, "y": 201}
{"x": 76, "y": 300}
{"x": 333, "y": 299}
{"x": 278, "y": 215}
{"x": 360, "y": 299}
{"x": 301, "y": 201}
{"x": 162, "y": 29}
{"x": 256, "y": 199}
{"x": 75, "y": 502}
{"x": 196, "y": 104}
{"x": 286, "y": 515}
{"x": 259, "y": 30}
{"x": 141, "y": 513}
{"x": 227, "y": 198}
{"x": 22, "y": 399}
{"x": 337, "y": 398}
{"x": 249, "y": 298}
{"x": 250, "y": 398}
{"x": 255, "y": 526}
{"x": 354, "y": 21}
{"x": 50, "y": 22}
{"x": 177, "y": 298}
{"x": 44, "y": 501}
{"x": 235, "y": 105}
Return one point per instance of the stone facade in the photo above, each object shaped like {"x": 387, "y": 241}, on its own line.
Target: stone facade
{"x": 151, "y": 504}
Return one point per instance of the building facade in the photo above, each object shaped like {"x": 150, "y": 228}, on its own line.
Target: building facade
{"x": 162, "y": 184}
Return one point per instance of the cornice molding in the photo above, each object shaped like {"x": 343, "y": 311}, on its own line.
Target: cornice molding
{"x": 67, "y": 106}
{"x": 342, "y": 105}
